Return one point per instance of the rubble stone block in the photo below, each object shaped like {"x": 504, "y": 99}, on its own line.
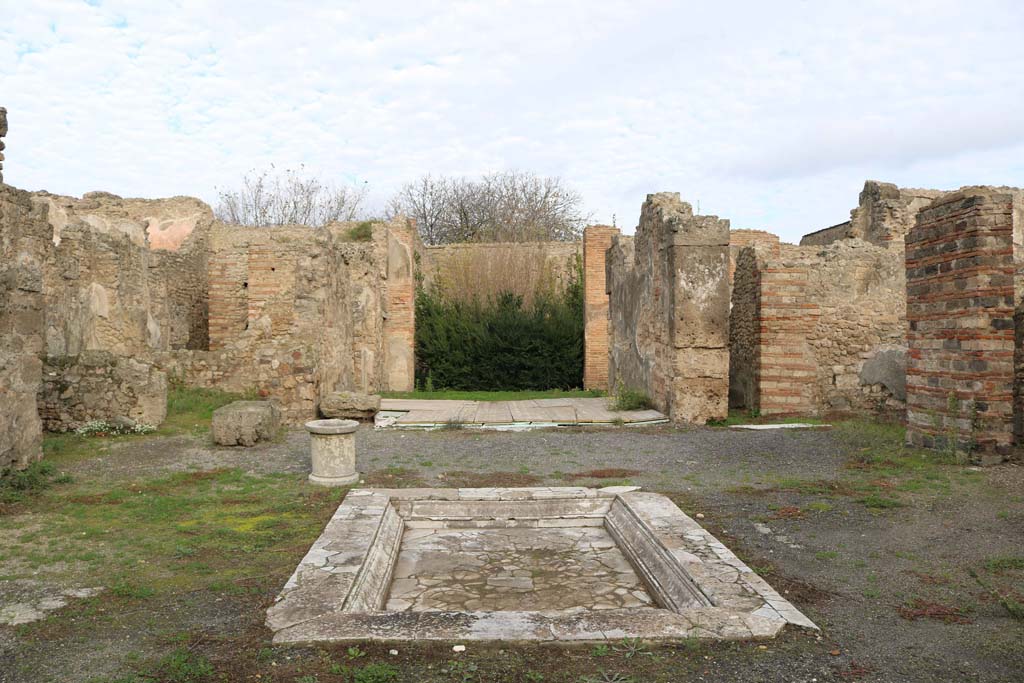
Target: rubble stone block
{"x": 350, "y": 405}
{"x": 244, "y": 423}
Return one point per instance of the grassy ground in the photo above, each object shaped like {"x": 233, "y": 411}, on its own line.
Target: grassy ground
{"x": 910, "y": 561}
{"x": 494, "y": 395}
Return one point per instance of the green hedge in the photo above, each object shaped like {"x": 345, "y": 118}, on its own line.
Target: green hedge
{"x": 500, "y": 344}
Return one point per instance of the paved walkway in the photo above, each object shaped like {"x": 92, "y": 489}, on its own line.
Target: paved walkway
{"x": 510, "y": 414}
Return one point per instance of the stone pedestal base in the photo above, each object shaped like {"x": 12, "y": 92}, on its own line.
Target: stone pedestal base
{"x": 333, "y": 451}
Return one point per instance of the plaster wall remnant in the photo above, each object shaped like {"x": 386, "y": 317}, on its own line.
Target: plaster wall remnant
{"x": 806, "y": 324}
{"x": 963, "y": 300}
{"x": 669, "y": 310}
{"x": 400, "y": 311}
{"x": 596, "y": 241}
{"x": 109, "y": 289}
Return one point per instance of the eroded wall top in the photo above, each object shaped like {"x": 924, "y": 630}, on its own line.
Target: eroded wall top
{"x": 884, "y": 215}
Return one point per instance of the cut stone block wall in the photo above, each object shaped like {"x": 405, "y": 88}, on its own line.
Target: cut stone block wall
{"x": 596, "y": 241}
{"x": 669, "y": 307}
{"x": 815, "y": 329}
{"x": 24, "y": 238}
{"x": 961, "y": 304}
{"x": 98, "y": 385}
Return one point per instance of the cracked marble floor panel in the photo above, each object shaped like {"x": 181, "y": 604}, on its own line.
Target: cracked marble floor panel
{"x": 513, "y": 569}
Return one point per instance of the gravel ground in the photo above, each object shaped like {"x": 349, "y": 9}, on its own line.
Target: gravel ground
{"x": 850, "y": 568}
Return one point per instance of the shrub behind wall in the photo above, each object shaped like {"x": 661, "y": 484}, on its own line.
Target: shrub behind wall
{"x": 501, "y": 343}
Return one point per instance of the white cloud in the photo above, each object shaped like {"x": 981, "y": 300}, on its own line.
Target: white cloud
{"x": 771, "y": 114}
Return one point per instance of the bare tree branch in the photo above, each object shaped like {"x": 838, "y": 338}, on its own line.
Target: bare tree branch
{"x": 511, "y": 206}
{"x": 272, "y": 198}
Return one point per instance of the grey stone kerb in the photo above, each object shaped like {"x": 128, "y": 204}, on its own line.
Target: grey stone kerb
{"x": 339, "y": 592}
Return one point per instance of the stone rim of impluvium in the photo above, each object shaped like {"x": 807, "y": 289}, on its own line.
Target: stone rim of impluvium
{"x": 331, "y": 426}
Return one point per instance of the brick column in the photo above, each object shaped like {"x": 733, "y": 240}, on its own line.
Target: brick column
{"x": 785, "y": 368}
{"x": 596, "y": 241}
{"x": 960, "y": 307}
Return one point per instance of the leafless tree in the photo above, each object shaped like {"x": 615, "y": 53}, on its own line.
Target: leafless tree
{"x": 270, "y": 197}
{"x": 510, "y": 206}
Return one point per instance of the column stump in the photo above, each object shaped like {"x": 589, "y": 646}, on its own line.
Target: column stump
{"x": 333, "y": 450}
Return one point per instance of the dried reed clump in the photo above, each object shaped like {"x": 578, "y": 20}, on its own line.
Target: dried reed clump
{"x": 482, "y": 272}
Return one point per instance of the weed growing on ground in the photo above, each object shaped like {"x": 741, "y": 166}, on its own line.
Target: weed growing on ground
{"x": 375, "y": 673}
{"x": 630, "y": 399}
{"x": 19, "y": 485}
{"x": 181, "y": 666}
{"x": 1005, "y": 563}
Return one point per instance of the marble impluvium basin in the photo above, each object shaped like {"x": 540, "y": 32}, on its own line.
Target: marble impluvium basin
{"x": 556, "y": 564}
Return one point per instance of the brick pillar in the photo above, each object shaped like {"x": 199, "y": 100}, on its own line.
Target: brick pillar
{"x": 596, "y": 241}
{"x": 960, "y": 315}
{"x": 228, "y": 305}
{"x": 785, "y": 367}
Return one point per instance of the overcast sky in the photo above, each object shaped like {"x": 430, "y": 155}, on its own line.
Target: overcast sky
{"x": 770, "y": 114}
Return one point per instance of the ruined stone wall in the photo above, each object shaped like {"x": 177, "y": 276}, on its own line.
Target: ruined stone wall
{"x": 24, "y": 238}
{"x": 961, "y": 302}
{"x": 382, "y": 292}
{"x": 400, "y": 310}
{"x": 280, "y": 317}
{"x": 826, "y": 236}
{"x": 669, "y": 306}
{"x": 884, "y": 215}
{"x": 745, "y": 330}
{"x": 97, "y": 385}
{"x": 367, "y": 271}
{"x": 818, "y": 329}
{"x": 596, "y": 241}
{"x": 108, "y": 288}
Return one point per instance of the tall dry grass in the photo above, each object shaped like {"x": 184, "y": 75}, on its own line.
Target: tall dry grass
{"x": 482, "y": 272}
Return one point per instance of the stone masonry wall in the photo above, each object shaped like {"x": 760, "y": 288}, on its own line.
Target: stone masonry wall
{"x": 818, "y": 329}
{"x": 745, "y": 330}
{"x": 107, "y": 288}
{"x": 280, "y": 318}
{"x": 97, "y": 385}
{"x": 961, "y": 302}
{"x": 24, "y": 238}
{"x": 596, "y": 241}
{"x": 400, "y": 310}
{"x": 884, "y": 214}
{"x": 669, "y": 306}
